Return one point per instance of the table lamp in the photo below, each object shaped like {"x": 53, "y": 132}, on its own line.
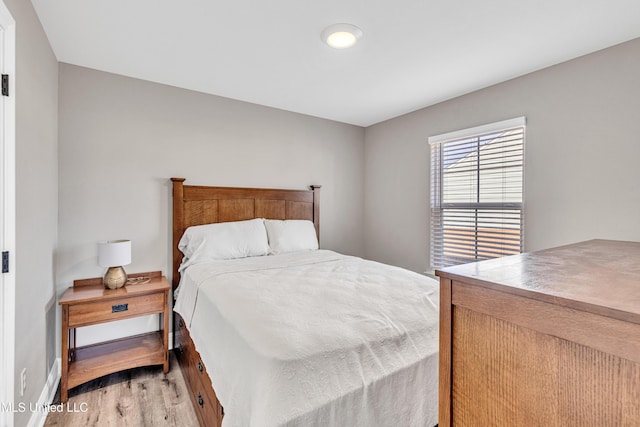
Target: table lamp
{"x": 114, "y": 254}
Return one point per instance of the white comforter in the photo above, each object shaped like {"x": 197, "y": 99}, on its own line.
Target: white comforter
{"x": 315, "y": 339}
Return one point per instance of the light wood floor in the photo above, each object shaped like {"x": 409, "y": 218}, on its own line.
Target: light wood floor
{"x": 136, "y": 397}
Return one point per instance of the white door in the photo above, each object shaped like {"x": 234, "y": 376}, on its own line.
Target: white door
{"x": 7, "y": 215}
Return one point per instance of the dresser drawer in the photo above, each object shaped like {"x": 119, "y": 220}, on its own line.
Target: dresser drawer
{"x": 207, "y": 408}
{"x": 199, "y": 370}
{"x": 183, "y": 348}
{"x": 115, "y": 309}
{"x": 204, "y": 399}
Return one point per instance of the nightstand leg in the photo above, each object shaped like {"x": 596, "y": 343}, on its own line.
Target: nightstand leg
{"x": 72, "y": 344}
{"x": 65, "y": 355}
{"x": 165, "y": 333}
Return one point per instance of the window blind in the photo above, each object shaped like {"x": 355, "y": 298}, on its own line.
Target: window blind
{"x": 477, "y": 194}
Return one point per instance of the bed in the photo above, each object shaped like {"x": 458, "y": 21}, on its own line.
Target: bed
{"x": 292, "y": 337}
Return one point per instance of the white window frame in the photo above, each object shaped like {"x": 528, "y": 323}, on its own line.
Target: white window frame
{"x": 518, "y": 122}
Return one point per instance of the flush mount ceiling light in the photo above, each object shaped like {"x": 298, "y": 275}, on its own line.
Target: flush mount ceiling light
{"x": 341, "y": 36}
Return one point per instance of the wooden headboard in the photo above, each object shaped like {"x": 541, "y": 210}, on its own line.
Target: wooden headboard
{"x": 197, "y": 205}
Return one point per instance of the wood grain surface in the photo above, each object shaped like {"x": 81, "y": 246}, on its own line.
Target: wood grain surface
{"x": 545, "y": 338}
{"x": 88, "y": 304}
{"x": 199, "y": 205}
{"x": 205, "y": 402}
{"x": 507, "y": 375}
{"x": 136, "y": 398}
{"x": 597, "y": 276}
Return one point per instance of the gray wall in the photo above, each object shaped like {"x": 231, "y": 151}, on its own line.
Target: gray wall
{"x": 36, "y": 201}
{"x": 581, "y": 167}
{"x": 121, "y": 139}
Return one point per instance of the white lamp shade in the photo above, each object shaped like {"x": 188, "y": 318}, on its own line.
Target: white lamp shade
{"x": 114, "y": 253}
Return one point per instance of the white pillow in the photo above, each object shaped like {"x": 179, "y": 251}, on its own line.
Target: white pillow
{"x": 291, "y": 235}
{"x": 224, "y": 240}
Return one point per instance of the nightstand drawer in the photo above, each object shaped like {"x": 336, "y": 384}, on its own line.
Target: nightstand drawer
{"x": 120, "y": 308}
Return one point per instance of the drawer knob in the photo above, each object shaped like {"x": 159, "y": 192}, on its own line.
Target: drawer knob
{"x": 119, "y": 307}
{"x": 200, "y": 365}
{"x": 200, "y": 400}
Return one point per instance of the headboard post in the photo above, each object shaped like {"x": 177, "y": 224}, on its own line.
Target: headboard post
{"x": 316, "y": 208}
{"x": 178, "y": 225}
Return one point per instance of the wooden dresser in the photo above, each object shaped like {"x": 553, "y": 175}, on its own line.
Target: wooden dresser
{"x": 544, "y": 338}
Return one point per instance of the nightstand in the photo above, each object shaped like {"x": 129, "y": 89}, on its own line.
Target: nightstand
{"x": 89, "y": 303}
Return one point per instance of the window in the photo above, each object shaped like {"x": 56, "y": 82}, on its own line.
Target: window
{"x": 476, "y": 193}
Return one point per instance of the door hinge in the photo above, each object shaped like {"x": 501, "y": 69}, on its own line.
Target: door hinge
{"x": 5, "y": 85}
{"x": 5, "y": 261}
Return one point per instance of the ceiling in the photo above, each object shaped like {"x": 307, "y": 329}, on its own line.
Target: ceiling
{"x": 413, "y": 53}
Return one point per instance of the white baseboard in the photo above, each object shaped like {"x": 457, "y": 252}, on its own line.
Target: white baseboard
{"x": 39, "y": 416}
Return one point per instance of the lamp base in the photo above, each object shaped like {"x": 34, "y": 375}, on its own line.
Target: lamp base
{"x": 114, "y": 278}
